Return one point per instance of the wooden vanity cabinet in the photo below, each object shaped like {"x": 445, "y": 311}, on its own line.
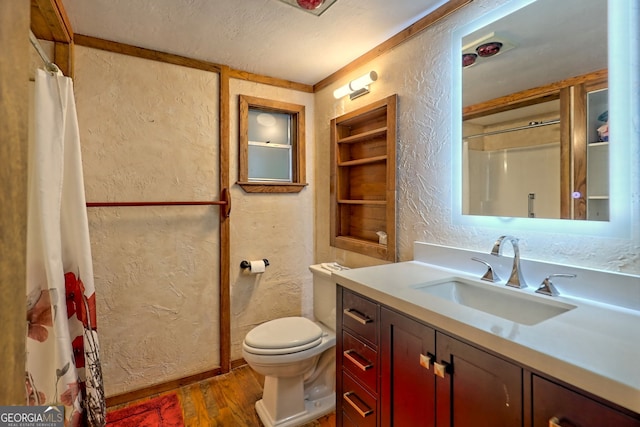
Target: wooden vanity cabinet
{"x": 558, "y": 406}
{"x": 431, "y": 379}
{"x": 478, "y": 388}
{"x": 408, "y": 385}
{"x": 393, "y": 370}
{"x": 357, "y": 360}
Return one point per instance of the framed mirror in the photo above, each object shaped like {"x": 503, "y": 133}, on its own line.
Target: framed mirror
{"x": 514, "y": 89}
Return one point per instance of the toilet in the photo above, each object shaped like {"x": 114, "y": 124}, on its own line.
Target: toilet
{"x": 297, "y": 357}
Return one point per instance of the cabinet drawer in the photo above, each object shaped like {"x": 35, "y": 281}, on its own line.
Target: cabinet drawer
{"x": 357, "y": 403}
{"x": 568, "y": 408}
{"x": 360, "y": 315}
{"x": 360, "y": 360}
{"x": 348, "y": 422}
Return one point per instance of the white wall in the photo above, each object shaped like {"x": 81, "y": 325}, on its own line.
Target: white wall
{"x": 419, "y": 71}
{"x": 278, "y": 227}
{"x": 149, "y": 132}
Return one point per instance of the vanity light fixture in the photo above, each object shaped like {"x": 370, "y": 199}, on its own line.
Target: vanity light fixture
{"x": 357, "y": 87}
{"x": 315, "y": 7}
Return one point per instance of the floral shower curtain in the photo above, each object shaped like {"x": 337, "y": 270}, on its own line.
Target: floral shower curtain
{"x": 63, "y": 362}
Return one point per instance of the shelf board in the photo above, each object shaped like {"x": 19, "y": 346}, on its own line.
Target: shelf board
{"x": 598, "y": 197}
{"x": 365, "y": 247}
{"x": 371, "y": 134}
{"x": 598, "y": 144}
{"x": 360, "y": 241}
{"x": 363, "y": 161}
{"x": 361, "y": 202}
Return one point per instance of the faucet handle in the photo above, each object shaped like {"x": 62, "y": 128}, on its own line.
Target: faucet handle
{"x": 490, "y": 275}
{"x": 547, "y": 288}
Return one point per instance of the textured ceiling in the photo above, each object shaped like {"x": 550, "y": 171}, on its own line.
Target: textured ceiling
{"x": 266, "y": 37}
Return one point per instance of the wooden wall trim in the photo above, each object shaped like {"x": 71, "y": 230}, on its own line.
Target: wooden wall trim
{"x": 404, "y": 35}
{"x": 257, "y": 78}
{"x": 531, "y": 96}
{"x": 14, "y": 110}
{"x": 225, "y": 227}
{"x": 579, "y": 152}
{"x": 49, "y": 21}
{"x": 167, "y": 386}
{"x": 172, "y": 385}
{"x": 140, "y": 52}
{"x": 566, "y": 150}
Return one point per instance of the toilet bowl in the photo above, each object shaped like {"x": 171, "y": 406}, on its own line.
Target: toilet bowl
{"x": 296, "y": 355}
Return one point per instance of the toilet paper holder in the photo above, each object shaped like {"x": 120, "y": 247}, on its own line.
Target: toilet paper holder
{"x": 246, "y": 264}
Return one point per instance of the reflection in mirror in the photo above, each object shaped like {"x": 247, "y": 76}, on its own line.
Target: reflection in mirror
{"x": 512, "y": 163}
{"x": 588, "y": 88}
{"x": 528, "y": 117}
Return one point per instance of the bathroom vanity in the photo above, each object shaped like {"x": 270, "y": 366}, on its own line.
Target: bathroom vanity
{"x": 428, "y": 343}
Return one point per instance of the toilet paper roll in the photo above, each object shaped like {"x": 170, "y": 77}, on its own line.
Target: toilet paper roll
{"x": 257, "y": 266}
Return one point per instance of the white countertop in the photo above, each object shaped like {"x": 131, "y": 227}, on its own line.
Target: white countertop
{"x": 595, "y": 347}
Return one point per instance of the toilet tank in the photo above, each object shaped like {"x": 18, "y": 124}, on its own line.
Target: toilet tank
{"x": 324, "y": 296}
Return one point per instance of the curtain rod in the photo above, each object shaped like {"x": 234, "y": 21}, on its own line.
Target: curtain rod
{"x": 50, "y": 66}
{"x": 531, "y": 125}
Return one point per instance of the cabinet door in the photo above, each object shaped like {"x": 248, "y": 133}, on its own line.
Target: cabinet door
{"x": 408, "y": 383}
{"x": 478, "y": 388}
{"x": 558, "y": 406}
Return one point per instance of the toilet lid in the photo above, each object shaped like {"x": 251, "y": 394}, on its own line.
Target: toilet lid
{"x": 284, "y": 334}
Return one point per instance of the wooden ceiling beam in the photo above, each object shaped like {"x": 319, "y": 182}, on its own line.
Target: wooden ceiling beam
{"x": 49, "y": 21}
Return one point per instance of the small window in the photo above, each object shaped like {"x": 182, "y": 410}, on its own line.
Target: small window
{"x": 272, "y": 155}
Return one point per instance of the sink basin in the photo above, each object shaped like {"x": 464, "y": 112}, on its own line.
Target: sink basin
{"x": 510, "y": 304}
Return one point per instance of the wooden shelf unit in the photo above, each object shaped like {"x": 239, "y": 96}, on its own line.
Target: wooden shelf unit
{"x": 363, "y": 179}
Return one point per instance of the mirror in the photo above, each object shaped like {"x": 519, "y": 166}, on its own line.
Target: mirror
{"x": 522, "y": 112}
{"x": 531, "y": 32}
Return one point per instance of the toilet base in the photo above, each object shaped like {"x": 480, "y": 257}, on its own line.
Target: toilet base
{"x": 313, "y": 409}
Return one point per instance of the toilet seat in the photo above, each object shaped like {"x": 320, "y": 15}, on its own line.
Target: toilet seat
{"x": 283, "y": 336}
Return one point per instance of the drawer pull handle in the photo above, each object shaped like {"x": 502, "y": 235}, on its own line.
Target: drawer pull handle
{"x": 557, "y": 422}
{"x": 354, "y": 405}
{"x": 354, "y": 359}
{"x": 357, "y": 316}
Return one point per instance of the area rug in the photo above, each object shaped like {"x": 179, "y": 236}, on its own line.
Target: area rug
{"x": 163, "y": 411}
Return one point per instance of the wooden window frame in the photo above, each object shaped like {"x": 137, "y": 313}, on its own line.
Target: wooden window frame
{"x": 298, "y": 156}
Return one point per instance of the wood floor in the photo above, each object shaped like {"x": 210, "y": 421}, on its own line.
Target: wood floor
{"x": 227, "y": 400}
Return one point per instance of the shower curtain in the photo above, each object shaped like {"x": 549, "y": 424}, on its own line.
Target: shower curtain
{"x": 63, "y": 363}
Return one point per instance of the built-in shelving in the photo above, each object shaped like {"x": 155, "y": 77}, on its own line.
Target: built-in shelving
{"x": 597, "y": 196}
{"x": 363, "y": 181}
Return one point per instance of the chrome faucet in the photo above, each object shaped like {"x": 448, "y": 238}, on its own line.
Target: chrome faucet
{"x": 516, "y": 279}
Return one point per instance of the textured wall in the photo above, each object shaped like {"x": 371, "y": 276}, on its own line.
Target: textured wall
{"x": 149, "y": 132}
{"x": 419, "y": 71}
{"x": 278, "y": 227}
